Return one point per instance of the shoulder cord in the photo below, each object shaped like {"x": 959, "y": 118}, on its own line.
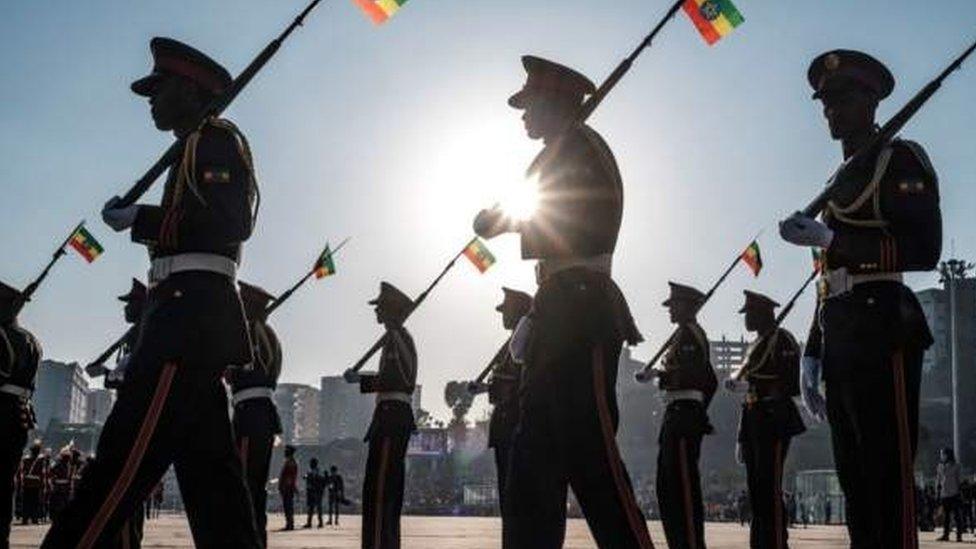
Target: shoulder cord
{"x": 871, "y": 191}
{"x": 7, "y": 372}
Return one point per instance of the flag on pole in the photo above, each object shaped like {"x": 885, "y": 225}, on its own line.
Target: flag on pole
{"x": 753, "y": 258}
{"x": 818, "y": 259}
{"x": 324, "y": 265}
{"x": 479, "y": 255}
{"x": 380, "y": 10}
{"x": 85, "y": 244}
{"x": 713, "y": 18}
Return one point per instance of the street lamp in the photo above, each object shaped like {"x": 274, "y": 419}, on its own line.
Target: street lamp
{"x": 951, "y": 271}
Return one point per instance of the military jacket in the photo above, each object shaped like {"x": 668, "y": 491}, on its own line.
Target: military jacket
{"x": 61, "y": 476}
{"x": 503, "y": 387}
{"x": 398, "y": 365}
{"x": 772, "y": 366}
{"x": 267, "y": 360}
{"x": 208, "y": 198}
{"x": 20, "y": 355}
{"x": 33, "y": 472}
{"x": 687, "y": 363}
{"x": 580, "y": 199}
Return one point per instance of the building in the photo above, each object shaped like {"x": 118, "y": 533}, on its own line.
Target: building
{"x": 60, "y": 394}
{"x": 935, "y": 406}
{"x": 99, "y": 404}
{"x": 298, "y": 406}
{"x": 344, "y": 412}
{"x": 727, "y": 355}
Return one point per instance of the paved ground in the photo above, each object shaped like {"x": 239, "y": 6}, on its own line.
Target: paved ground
{"x": 462, "y": 533}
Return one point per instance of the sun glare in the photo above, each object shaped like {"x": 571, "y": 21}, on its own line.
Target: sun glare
{"x": 521, "y": 199}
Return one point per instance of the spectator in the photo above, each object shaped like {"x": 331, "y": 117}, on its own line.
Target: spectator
{"x": 288, "y": 486}
{"x": 314, "y": 488}
{"x": 949, "y": 479}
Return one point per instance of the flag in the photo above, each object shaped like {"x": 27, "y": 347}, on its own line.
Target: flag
{"x": 713, "y": 18}
{"x": 324, "y": 266}
{"x": 380, "y": 10}
{"x": 818, "y": 259}
{"x": 479, "y": 255}
{"x": 85, "y": 244}
{"x": 753, "y": 258}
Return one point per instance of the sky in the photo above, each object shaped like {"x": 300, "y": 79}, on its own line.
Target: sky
{"x": 397, "y": 135}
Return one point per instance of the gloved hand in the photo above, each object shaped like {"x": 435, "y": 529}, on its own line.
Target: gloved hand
{"x": 813, "y": 400}
{"x": 118, "y": 217}
{"x": 733, "y": 385}
{"x": 476, "y": 388}
{"x": 738, "y": 454}
{"x": 27, "y": 418}
{"x": 96, "y": 370}
{"x": 492, "y": 222}
{"x": 647, "y": 375}
{"x": 801, "y": 230}
{"x": 351, "y": 376}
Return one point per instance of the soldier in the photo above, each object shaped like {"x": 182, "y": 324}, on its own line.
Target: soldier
{"x": 60, "y": 480}
{"x": 393, "y": 421}
{"x": 688, "y": 384}
{"x": 33, "y": 478}
{"x": 502, "y": 388}
{"x": 20, "y": 354}
{"x": 256, "y": 420}
{"x": 579, "y": 322}
{"x": 288, "y": 486}
{"x": 135, "y": 302}
{"x": 769, "y": 417}
{"x": 869, "y": 332}
{"x": 174, "y": 407}
{"x": 337, "y": 495}
{"x": 314, "y": 490}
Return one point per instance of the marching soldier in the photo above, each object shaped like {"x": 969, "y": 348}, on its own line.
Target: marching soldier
{"x": 502, "y": 388}
{"x": 33, "y": 480}
{"x": 337, "y": 495}
{"x": 256, "y": 420}
{"x": 769, "y": 418}
{"x": 869, "y": 332}
{"x": 579, "y": 319}
{"x": 688, "y": 384}
{"x": 393, "y": 421}
{"x": 60, "y": 478}
{"x": 20, "y": 354}
{"x": 174, "y": 407}
{"x": 135, "y": 302}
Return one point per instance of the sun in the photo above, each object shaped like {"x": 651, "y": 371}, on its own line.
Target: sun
{"x": 520, "y": 199}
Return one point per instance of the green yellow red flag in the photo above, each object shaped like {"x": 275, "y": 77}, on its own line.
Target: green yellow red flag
{"x": 379, "y": 11}
{"x": 713, "y": 18}
{"x": 752, "y": 257}
{"x": 325, "y": 265}
{"x": 85, "y": 244}
{"x": 478, "y": 253}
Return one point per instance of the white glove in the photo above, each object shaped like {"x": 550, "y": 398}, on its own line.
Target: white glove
{"x": 733, "y": 385}
{"x": 351, "y": 376}
{"x": 646, "y": 375}
{"x": 738, "y": 454}
{"x": 801, "y": 230}
{"x": 119, "y": 218}
{"x": 813, "y": 400}
{"x": 491, "y": 223}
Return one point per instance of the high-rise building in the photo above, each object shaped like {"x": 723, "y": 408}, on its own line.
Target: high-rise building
{"x": 298, "y": 406}
{"x": 727, "y": 355}
{"x": 60, "y": 394}
{"x": 344, "y": 412}
{"x": 100, "y": 403}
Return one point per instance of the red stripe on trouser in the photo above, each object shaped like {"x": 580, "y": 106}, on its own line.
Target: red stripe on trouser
{"x": 624, "y": 494}
{"x": 909, "y": 539}
{"x": 245, "y": 443}
{"x": 777, "y": 493}
{"x": 132, "y": 462}
{"x": 380, "y": 487}
{"x": 686, "y": 492}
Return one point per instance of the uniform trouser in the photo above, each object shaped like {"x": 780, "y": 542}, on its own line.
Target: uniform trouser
{"x": 15, "y": 438}
{"x": 167, "y": 413}
{"x": 255, "y": 452}
{"x": 32, "y": 504}
{"x": 313, "y": 504}
{"x": 873, "y": 414}
{"x": 333, "y": 509}
{"x": 57, "y": 501}
{"x": 764, "y": 457}
{"x": 383, "y": 491}
{"x": 679, "y": 490}
{"x": 288, "y": 505}
{"x": 131, "y": 535}
{"x": 502, "y": 453}
{"x": 566, "y": 437}
{"x": 952, "y": 510}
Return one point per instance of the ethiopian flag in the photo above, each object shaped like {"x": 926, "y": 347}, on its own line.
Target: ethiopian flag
{"x": 818, "y": 259}
{"x": 85, "y": 244}
{"x": 479, "y": 255}
{"x": 713, "y": 18}
{"x": 324, "y": 265}
{"x": 380, "y": 10}
{"x": 752, "y": 257}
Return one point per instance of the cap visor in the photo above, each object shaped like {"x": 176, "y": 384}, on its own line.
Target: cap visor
{"x": 146, "y": 86}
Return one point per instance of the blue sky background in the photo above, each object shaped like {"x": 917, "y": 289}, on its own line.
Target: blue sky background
{"x": 397, "y": 135}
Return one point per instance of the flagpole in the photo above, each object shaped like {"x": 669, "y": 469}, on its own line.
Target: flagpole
{"x": 287, "y": 293}
{"x": 420, "y": 299}
{"x": 32, "y": 287}
{"x": 644, "y": 375}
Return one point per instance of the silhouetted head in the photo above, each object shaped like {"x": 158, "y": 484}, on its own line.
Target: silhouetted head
{"x": 849, "y": 84}
{"x": 183, "y": 81}
{"x": 392, "y": 305}
{"x": 289, "y": 451}
{"x": 135, "y": 302}
{"x": 313, "y": 463}
{"x": 551, "y": 96}
{"x": 759, "y": 311}
{"x": 947, "y": 455}
{"x": 515, "y": 305}
{"x": 11, "y": 302}
{"x": 683, "y": 303}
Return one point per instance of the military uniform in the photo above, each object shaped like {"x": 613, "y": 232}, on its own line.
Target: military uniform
{"x": 33, "y": 482}
{"x": 391, "y": 427}
{"x": 256, "y": 420}
{"x": 869, "y": 329}
{"x": 768, "y": 423}
{"x": 20, "y": 354}
{"x": 688, "y": 384}
{"x": 60, "y": 482}
{"x": 566, "y": 435}
{"x": 135, "y": 302}
{"x": 173, "y": 407}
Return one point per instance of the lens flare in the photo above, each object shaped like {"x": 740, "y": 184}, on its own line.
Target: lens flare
{"x": 521, "y": 200}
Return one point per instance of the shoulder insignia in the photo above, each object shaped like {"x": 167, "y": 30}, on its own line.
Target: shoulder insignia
{"x": 216, "y": 175}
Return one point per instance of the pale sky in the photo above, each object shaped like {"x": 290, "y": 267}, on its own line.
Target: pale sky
{"x": 397, "y": 135}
